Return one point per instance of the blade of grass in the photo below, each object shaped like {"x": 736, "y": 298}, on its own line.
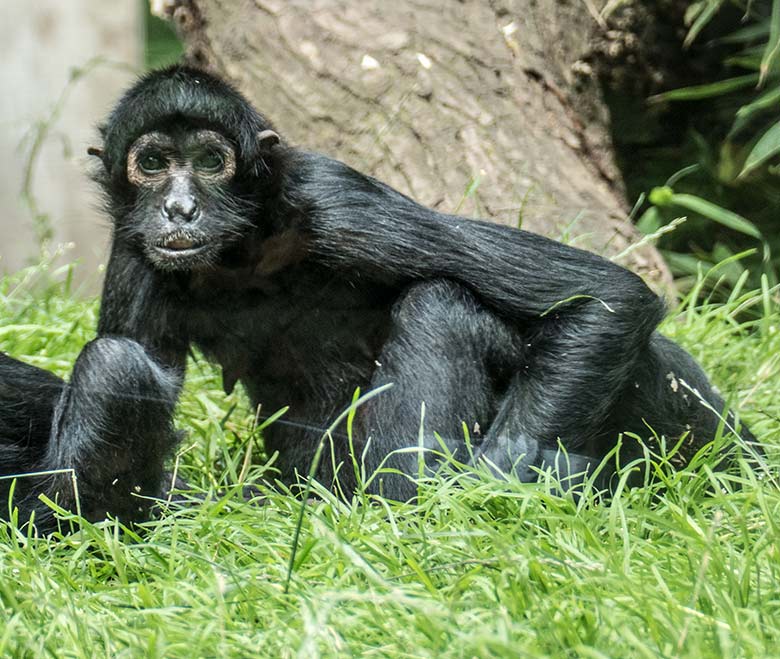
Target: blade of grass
{"x": 665, "y": 196}
{"x": 315, "y": 463}
{"x": 771, "y": 56}
{"x": 768, "y": 145}
{"x": 704, "y": 17}
{"x": 769, "y": 100}
{"x": 710, "y": 90}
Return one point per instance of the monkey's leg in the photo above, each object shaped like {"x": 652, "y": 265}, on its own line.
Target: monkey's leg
{"x": 112, "y": 430}
{"x": 669, "y": 395}
{"x": 462, "y": 361}
{"x": 28, "y": 396}
{"x": 508, "y": 450}
{"x": 439, "y": 353}
{"x": 666, "y": 395}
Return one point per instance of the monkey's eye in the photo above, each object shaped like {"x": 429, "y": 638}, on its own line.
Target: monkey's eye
{"x": 152, "y": 163}
{"x": 209, "y": 161}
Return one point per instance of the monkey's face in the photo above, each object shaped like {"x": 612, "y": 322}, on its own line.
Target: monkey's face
{"x": 184, "y": 212}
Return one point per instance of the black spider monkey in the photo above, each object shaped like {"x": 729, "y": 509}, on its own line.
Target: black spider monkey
{"x": 304, "y": 279}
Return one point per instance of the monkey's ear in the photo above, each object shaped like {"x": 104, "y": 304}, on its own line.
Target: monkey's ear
{"x": 95, "y": 151}
{"x": 267, "y": 138}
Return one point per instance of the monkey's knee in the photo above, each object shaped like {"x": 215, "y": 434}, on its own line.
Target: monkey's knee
{"x": 119, "y": 374}
{"x": 114, "y": 427}
{"x": 437, "y": 301}
{"x": 111, "y": 362}
{"x": 118, "y": 396}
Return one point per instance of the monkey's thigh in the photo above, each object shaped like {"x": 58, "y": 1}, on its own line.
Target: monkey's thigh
{"x": 441, "y": 359}
{"x": 456, "y": 371}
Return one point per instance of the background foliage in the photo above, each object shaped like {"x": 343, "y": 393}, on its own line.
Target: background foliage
{"x": 711, "y": 150}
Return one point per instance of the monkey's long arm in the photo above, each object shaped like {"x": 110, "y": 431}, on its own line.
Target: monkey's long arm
{"x": 521, "y": 275}
{"x": 133, "y": 306}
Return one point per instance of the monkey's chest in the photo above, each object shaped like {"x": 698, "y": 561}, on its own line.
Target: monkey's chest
{"x": 307, "y": 343}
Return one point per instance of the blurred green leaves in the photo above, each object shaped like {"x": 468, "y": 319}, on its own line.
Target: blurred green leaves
{"x": 691, "y": 265}
{"x": 759, "y": 54}
{"x": 736, "y": 170}
{"x": 767, "y": 146}
{"x": 666, "y": 196}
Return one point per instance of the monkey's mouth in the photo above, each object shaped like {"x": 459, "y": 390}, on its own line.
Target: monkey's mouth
{"x": 180, "y": 244}
{"x": 180, "y": 251}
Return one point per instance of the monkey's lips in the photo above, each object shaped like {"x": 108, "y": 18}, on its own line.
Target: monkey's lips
{"x": 179, "y": 243}
{"x": 179, "y": 251}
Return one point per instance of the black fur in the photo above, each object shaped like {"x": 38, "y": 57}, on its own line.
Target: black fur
{"x": 110, "y": 427}
{"x": 327, "y": 280}
{"x": 174, "y": 94}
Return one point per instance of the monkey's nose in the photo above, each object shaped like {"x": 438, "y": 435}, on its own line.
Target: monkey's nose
{"x": 180, "y": 207}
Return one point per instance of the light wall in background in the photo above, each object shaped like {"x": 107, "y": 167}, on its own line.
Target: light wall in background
{"x": 42, "y": 42}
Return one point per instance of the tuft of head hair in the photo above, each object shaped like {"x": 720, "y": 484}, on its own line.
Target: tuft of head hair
{"x": 180, "y": 93}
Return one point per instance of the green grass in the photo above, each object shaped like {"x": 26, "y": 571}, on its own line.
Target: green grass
{"x": 475, "y": 568}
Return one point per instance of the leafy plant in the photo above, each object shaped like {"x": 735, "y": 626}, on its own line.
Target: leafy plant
{"x": 738, "y": 169}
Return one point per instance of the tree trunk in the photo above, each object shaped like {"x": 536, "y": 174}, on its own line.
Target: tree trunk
{"x": 483, "y": 108}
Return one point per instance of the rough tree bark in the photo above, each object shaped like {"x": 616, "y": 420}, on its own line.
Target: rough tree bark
{"x": 486, "y": 108}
